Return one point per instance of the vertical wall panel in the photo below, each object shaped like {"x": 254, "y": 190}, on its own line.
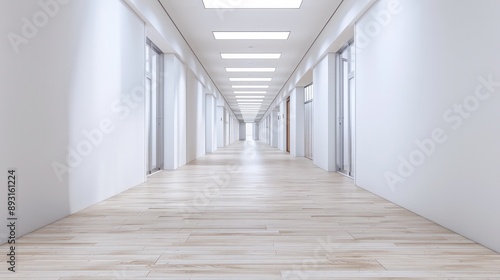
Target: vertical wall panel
{"x": 426, "y": 109}
{"x": 72, "y": 107}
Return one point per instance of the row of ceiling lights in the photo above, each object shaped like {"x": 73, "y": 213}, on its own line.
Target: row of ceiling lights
{"x": 248, "y": 103}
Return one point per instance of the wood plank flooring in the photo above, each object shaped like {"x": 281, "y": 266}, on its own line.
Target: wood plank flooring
{"x": 248, "y": 211}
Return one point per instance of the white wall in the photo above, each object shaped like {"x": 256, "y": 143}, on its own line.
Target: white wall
{"x": 175, "y": 79}
{"x": 195, "y": 118}
{"x": 324, "y": 113}
{"x": 221, "y": 130}
{"x": 77, "y": 94}
{"x": 210, "y": 124}
{"x": 338, "y": 31}
{"x": 274, "y": 128}
{"x": 413, "y": 78}
{"x": 297, "y": 122}
{"x": 227, "y": 128}
{"x": 263, "y": 128}
{"x": 163, "y": 32}
{"x": 256, "y": 131}
{"x": 235, "y": 129}
{"x": 243, "y": 131}
{"x": 282, "y": 126}
{"x": 269, "y": 129}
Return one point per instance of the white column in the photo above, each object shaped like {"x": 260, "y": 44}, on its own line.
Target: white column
{"x": 324, "y": 113}
{"x": 282, "y": 126}
{"x": 220, "y": 127}
{"x": 256, "y": 131}
{"x": 297, "y": 122}
{"x": 174, "y": 112}
{"x": 274, "y": 128}
{"x": 243, "y": 131}
{"x": 210, "y": 124}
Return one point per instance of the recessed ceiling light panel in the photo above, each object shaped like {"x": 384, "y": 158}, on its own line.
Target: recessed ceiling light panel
{"x": 251, "y": 69}
{"x": 250, "y": 92}
{"x": 250, "y": 96}
{"x": 250, "y": 86}
{"x": 257, "y": 100}
{"x": 250, "y": 79}
{"x": 251, "y": 35}
{"x": 252, "y": 4}
{"x": 250, "y": 55}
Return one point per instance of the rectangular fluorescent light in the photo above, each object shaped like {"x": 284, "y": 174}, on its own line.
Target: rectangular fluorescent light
{"x": 252, "y": 4}
{"x": 250, "y": 103}
{"x": 249, "y": 96}
{"x": 239, "y": 100}
{"x": 250, "y": 79}
{"x": 251, "y": 35}
{"x": 250, "y": 55}
{"x": 250, "y": 92}
{"x": 251, "y": 86}
{"x": 250, "y": 69}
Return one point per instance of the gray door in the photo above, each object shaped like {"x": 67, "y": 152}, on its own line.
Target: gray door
{"x": 154, "y": 108}
{"x": 308, "y": 121}
{"x": 345, "y": 122}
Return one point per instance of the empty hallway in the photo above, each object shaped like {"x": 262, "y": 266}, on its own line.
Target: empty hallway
{"x": 249, "y": 211}
{"x": 249, "y": 139}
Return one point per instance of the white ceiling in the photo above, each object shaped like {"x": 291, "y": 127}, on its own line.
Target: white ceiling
{"x": 196, "y": 25}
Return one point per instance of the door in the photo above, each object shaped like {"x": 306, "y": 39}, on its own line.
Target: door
{"x": 345, "y": 99}
{"x": 154, "y": 108}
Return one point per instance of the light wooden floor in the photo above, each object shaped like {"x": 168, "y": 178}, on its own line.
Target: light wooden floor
{"x": 249, "y": 212}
